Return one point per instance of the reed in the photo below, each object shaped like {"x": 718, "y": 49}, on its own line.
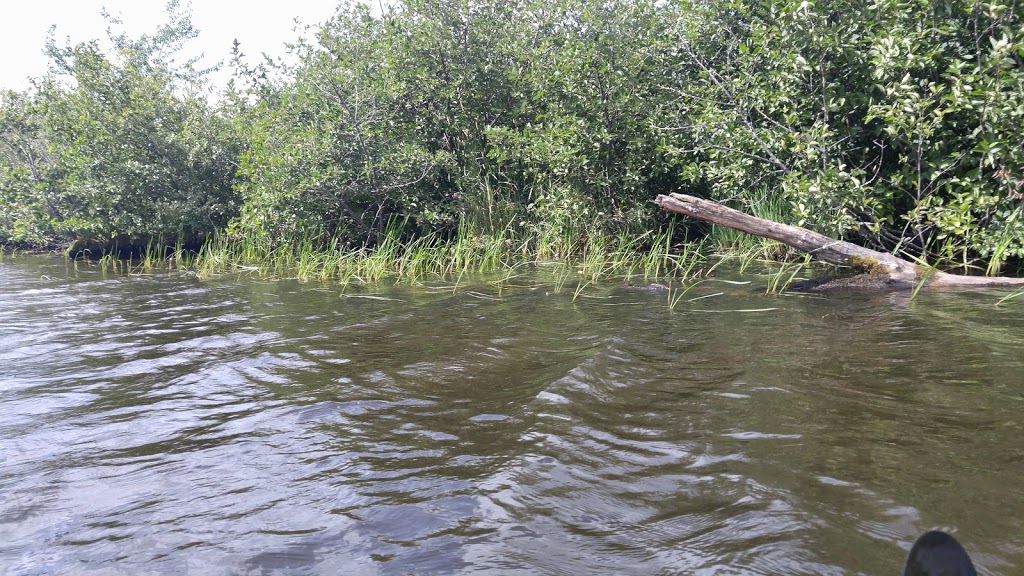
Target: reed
{"x": 781, "y": 279}
{"x": 578, "y": 252}
{"x": 763, "y": 203}
{"x": 676, "y": 295}
{"x": 1010, "y": 296}
{"x": 929, "y": 271}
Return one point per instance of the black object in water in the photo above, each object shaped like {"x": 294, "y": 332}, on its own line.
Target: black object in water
{"x": 938, "y": 554}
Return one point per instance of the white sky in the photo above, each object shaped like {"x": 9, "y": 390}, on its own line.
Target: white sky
{"x": 261, "y": 26}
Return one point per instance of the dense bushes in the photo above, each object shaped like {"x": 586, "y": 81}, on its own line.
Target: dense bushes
{"x": 894, "y": 121}
{"x": 897, "y": 123}
{"x": 116, "y": 148}
{"x": 442, "y": 112}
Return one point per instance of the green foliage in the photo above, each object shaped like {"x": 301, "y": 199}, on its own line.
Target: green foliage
{"x": 26, "y": 204}
{"x": 892, "y": 121}
{"x": 441, "y": 112}
{"x": 327, "y": 151}
{"x": 548, "y": 124}
{"x": 130, "y": 149}
{"x": 591, "y": 72}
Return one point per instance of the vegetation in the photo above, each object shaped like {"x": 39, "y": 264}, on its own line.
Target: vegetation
{"x": 115, "y": 148}
{"x": 441, "y": 136}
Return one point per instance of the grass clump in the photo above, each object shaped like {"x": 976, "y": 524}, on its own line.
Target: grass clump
{"x": 762, "y": 203}
{"x": 578, "y": 260}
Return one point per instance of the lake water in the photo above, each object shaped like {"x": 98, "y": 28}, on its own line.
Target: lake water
{"x": 164, "y": 424}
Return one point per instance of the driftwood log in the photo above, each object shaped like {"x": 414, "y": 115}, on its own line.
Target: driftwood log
{"x": 880, "y": 265}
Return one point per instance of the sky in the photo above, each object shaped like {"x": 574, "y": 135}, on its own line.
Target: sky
{"x": 259, "y": 26}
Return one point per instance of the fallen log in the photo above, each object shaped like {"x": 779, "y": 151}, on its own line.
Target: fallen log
{"x": 880, "y": 265}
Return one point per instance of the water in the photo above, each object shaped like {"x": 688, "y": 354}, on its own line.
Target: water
{"x": 167, "y": 425}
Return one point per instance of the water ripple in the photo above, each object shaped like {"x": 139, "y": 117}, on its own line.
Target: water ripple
{"x": 163, "y": 425}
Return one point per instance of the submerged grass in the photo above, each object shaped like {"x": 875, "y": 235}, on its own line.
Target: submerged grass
{"x": 1010, "y": 296}
{"x": 7, "y": 252}
{"x": 577, "y": 261}
{"x": 762, "y": 203}
{"x": 780, "y": 280}
{"x": 577, "y": 253}
{"x": 154, "y": 257}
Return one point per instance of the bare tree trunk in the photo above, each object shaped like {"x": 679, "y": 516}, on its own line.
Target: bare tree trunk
{"x": 822, "y": 247}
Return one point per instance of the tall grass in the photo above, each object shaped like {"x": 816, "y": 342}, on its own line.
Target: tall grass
{"x": 763, "y": 203}
{"x": 578, "y": 260}
{"x": 577, "y": 253}
{"x": 155, "y": 255}
{"x": 9, "y": 251}
{"x": 780, "y": 280}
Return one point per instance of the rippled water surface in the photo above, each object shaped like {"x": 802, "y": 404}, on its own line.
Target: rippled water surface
{"x": 162, "y": 424}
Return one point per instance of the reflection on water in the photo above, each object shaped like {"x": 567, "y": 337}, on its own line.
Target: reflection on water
{"x": 166, "y": 425}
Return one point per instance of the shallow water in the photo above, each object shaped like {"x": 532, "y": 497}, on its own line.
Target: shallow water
{"x": 164, "y": 424}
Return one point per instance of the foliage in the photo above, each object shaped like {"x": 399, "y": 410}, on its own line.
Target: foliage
{"x": 548, "y": 124}
{"x": 26, "y": 205}
{"x": 328, "y": 153}
{"x": 895, "y": 121}
{"x": 590, "y": 72}
{"x": 128, "y": 147}
{"x": 441, "y": 112}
